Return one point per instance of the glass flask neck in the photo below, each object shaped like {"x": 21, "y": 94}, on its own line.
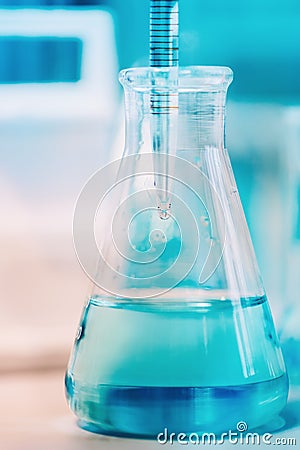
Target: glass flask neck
{"x": 201, "y": 105}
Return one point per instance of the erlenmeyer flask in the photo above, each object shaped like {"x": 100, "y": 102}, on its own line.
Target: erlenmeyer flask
{"x": 177, "y": 333}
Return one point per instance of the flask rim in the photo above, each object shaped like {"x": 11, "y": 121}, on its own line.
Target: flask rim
{"x": 199, "y": 78}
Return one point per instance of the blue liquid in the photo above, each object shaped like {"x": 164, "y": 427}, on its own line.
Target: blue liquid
{"x": 138, "y": 367}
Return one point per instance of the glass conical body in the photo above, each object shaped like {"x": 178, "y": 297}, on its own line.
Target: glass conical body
{"x": 177, "y": 333}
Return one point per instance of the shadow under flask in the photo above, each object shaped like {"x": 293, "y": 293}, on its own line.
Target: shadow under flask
{"x": 177, "y": 333}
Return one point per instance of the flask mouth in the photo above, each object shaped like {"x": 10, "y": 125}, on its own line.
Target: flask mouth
{"x": 198, "y": 78}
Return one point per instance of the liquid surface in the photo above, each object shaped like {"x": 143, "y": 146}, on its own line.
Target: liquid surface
{"x": 137, "y": 368}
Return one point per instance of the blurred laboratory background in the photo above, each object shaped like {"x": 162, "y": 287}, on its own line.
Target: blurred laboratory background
{"x": 61, "y": 117}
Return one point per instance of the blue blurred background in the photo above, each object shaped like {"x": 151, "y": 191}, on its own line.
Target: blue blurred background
{"x": 61, "y": 118}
